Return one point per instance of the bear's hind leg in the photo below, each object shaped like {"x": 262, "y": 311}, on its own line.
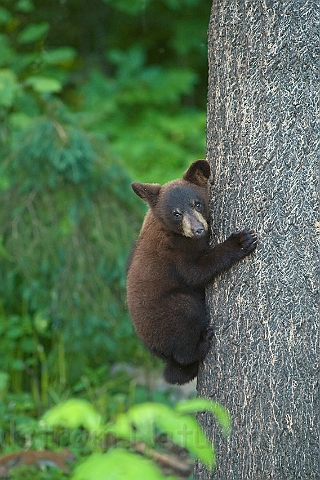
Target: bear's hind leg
{"x": 176, "y": 373}
{"x": 190, "y": 352}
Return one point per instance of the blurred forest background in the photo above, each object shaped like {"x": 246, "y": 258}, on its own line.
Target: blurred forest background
{"x": 93, "y": 94}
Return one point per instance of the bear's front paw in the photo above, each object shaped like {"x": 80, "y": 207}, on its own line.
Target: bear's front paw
{"x": 246, "y": 239}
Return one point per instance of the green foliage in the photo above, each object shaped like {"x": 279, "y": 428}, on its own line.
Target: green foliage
{"x": 74, "y": 413}
{"x": 66, "y": 241}
{"x": 117, "y": 465}
{"x": 30, "y": 75}
{"x": 202, "y": 404}
{"x": 33, "y": 32}
{"x": 51, "y": 154}
{"x": 145, "y": 107}
{"x": 153, "y": 136}
{"x": 141, "y": 420}
{"x": 8, "y": 87}
{"x": 92, "y": 94}
{"x": 139, "y": 423}
{"x": 65, "y": 235}
{"x": 33, "y": 473}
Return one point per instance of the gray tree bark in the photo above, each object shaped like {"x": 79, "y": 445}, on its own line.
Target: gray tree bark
{"x": 263, "y": 146}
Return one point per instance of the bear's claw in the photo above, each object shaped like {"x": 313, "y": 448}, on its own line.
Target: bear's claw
{"x": 247, "y": 240}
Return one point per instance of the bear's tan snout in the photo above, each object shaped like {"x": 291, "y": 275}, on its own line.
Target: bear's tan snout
{"x": 194, "y": 226}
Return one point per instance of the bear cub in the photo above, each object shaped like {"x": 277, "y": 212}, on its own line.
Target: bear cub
{"x": 170, "y": 266}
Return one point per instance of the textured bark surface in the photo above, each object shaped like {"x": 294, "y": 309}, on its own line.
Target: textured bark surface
{"x": 263, "y": 146}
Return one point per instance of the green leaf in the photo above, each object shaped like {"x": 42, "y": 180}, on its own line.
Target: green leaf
{"x": 201, "y": 405}
{"x": 8, "y": 87}
{"x": 41, "y": 322}
{"x": 73, "y": 413}
{"x": 186, "y": 432}
{"x": 25, "y": 6}
{"x": 146, "y": 416}
{"x": 5, "y": 16}
{"x": 15, "y": 332}
{"x": 140, "y": 422}
{"x": 121, "y": 428}
{"x": 59, "y": 56}
{"x": 117, "y": 464}
{"x": 17, "y": 364}
{"x": 20, "y": 120}
{"x": 44, "y": 84}
{"x": 33, "y": 32}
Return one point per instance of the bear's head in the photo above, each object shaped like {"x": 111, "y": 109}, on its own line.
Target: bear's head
{"x": 181, "y": 206}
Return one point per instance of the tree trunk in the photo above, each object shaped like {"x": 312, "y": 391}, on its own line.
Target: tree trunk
{"x": 262, "y": 136}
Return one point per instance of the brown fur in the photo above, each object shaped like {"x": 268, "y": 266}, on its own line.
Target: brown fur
{"x": 170, "y": 266}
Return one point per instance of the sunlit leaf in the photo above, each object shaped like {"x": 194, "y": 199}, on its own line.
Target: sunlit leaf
{"x": 121, "y": 428}
{"x": 117, "y": 465}
{"x": 8, "y": 87}
{"x": 201, "y": 405}
{"x": 44, "y": 84}
{"x": 33, "y": 32}
{"x": 73, "y": 413}
{"x": 41, "y": 322}
{"x": 185, "y": 431}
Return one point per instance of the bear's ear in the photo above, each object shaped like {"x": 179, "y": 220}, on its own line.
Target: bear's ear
{"x": 149, "y": 192}
{"x": 198, "y": 172}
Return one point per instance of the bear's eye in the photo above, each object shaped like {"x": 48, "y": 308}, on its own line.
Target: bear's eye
{"x": 177, "y": 214}
{"x": 197, "y": 205}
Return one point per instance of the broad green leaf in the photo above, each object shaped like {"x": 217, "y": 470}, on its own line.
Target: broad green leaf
{"x": 201, "y": 405}
{"x": 8, "y": 87}
{"x": 146, "y": 416}
{"x": 5, "y": 15}
{"x": 41, "y": 322}
{"x": 117, "y": 464}
{"x": 44, "y": 84}
{"x": 73, "y": 413}
{"x": 59, "y": 56}
{"x": 20, "y": 120}
{"x": 147, "y": 413}
{"x": 25, "y": 6}
{"x": 121, "y": 428}
{"x": 186, "y": 432}
{"x": 138, "y": 423}
{"x": 33, "y": 32}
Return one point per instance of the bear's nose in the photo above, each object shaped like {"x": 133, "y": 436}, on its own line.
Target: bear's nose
{"x": 198, "y": 231}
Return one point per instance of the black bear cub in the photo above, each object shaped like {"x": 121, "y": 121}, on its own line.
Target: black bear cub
{"x": 169, "y": 267}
